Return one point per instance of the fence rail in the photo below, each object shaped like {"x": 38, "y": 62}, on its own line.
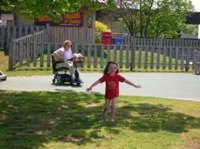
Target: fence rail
{"x": 132, "y": 56}
{"x": 194, "y": 43}
{"x": 16, "y": 32}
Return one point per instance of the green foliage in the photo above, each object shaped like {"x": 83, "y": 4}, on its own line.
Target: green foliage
{"x": 100, "y": 27}
{"x": 31, "y": 9}
{"x": 160, "y": 19}
{"x": 190, "y": 29}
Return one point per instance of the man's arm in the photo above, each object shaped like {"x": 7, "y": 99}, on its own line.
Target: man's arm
{"x": 58, "y": 55}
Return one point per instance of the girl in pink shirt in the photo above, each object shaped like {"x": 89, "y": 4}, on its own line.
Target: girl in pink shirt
{"x": 112, "y": 78}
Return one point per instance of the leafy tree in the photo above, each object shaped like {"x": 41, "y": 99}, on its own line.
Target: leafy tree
{"x": 154, "y": 18}
{"x": 31, "y": 9}
{"x": 190, "y": 29}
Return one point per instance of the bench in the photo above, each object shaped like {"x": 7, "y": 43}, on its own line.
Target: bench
{"x": 196, "y": 60}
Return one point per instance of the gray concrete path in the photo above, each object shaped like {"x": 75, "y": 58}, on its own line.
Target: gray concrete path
{"x": 184, "y": 86}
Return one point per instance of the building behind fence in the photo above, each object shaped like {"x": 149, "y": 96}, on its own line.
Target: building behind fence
{"x": 56, "y": 34}
{"x": 7, "y": 34}
{"x": 81, "y": 29}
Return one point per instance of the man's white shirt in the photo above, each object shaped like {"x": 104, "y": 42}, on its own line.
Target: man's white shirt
{"x": 67, "y": 54}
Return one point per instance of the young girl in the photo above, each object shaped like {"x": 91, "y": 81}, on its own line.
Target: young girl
{"x": 112, "y": 78}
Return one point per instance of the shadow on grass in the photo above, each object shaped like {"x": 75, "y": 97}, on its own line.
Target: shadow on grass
{"x": 67, "y": 84}
{"x": 31, "y": 119}
{"x": 152, "y": 118}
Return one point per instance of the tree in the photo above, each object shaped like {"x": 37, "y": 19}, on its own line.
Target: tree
{"x": 155, "y": 18}
{"x": 31, "y": 9}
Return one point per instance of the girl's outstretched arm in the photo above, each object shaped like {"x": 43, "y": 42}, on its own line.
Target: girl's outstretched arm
{"x": 132, "y": 84}
{"x": 93, "y": 85}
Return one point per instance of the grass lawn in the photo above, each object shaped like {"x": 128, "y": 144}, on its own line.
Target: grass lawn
{"x": 60, "y": 120}
{"x": 21, "y": 72}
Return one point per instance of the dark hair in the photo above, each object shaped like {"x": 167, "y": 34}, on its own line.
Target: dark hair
{"x": 108, "y": 64}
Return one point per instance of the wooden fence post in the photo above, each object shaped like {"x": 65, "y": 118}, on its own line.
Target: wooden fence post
{"x": 133, "y": 49}
{"x": 11, "y": 48}
{"x": 47, "y": 33}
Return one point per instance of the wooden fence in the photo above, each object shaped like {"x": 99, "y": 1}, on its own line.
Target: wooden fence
{"x": 55, "y": 34}
{"x": 17, "y": 32}
{"x": 138, "y": 55}
{"x": 193, "y": 43}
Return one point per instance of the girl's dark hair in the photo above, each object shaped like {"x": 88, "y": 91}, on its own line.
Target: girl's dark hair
{"x": 106, "y": 68}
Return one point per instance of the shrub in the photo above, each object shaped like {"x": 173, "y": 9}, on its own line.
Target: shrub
{"x": 100, "y": 27}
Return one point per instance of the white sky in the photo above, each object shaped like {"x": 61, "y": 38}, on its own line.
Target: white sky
{"x": 196, "y": 4}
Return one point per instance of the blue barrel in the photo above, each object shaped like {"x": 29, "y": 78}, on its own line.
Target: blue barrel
{"x": 117, "y": 41}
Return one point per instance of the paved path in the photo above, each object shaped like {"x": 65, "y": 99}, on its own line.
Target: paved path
{"x": 184, "y": 86}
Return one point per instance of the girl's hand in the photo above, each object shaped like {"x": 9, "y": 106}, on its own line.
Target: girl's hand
{"x": 138, "y": 86}
{"x": 88, "y": 89}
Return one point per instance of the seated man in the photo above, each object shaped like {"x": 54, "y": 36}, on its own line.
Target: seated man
{"x": 65, "y": 54}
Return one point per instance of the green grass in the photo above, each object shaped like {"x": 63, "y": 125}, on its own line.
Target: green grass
{"x": 60, "y": 120}
{"x": 23, "y": 71}
{"x": 3, "y": 61}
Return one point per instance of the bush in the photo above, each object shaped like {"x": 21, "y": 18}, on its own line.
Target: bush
{"x": 100, "y": 27}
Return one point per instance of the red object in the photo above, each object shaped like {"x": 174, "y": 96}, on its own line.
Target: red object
{"x": 112, "y": 85}
{"x": 106, "y": 38}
